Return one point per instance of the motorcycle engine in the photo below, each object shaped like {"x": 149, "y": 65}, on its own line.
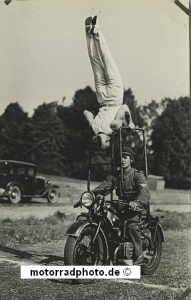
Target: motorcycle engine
{"x": 124, "y": 254}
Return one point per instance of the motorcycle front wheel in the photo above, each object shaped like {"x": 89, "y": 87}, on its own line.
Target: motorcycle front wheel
{"x": 81, "y": 251}
{"x": 154, "y": 252}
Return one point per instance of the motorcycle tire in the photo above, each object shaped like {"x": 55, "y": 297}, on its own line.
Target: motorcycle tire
{"x": 151, "y": 266}
{"x": 76, "y": 252}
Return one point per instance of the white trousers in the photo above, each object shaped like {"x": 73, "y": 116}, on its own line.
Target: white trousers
{"x": 108, "y": 82}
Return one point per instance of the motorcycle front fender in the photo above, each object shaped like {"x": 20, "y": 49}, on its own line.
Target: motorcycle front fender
{"x": 76, "y": 228}
{"x": 82, "y": 216}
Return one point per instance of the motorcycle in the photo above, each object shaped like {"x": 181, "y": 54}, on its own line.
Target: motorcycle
{"x": 100, "y": 236}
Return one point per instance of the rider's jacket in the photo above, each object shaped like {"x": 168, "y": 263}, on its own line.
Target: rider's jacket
{"x": 133, "y": 181}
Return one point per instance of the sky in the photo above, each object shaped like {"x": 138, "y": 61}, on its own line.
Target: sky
{"x": 44, "y": 54}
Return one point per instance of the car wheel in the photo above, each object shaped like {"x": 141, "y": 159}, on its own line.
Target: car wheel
{"x": 52, "y": 196}
{"x": 15, "y": 195}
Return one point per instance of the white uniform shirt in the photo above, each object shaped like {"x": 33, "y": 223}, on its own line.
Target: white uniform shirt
{"x": 101, "y": 123}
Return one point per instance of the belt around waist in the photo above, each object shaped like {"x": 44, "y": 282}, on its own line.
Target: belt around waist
{"x": 109, "y": 105}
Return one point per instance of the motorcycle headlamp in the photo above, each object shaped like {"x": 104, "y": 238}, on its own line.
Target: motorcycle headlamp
{"x": 87, "y": 199}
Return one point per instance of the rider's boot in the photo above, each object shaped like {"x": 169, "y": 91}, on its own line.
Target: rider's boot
{"x": 139, "y": 261}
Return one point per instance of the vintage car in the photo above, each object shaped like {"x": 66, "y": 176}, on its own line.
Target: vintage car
{"x": 19, "y": 182}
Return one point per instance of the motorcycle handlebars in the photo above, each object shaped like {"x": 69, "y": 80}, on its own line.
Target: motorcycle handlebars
{"x": 100, "y": 199}
{"x": 138, "y": 209}
{"x": 77, "y": 204}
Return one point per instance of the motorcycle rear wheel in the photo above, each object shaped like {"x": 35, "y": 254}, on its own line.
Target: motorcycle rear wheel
{"x": 79, "y": 251}
{"x": 156, "y": 252}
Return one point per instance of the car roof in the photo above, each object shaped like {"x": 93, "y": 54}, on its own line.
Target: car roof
{"x": 17, "y": 162}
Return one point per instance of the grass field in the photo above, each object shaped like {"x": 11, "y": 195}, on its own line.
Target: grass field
{"x": 169, "y": 281}
{"x": 33, "y": 230}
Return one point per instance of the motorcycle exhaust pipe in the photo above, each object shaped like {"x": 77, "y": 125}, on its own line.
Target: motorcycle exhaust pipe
{"x": 126, "y": 262}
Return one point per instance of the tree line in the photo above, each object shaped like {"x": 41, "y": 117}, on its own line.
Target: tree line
{"x": 57, "y": 137}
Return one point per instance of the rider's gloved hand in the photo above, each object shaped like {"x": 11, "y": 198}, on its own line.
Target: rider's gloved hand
{"x": 135, "y": 205}
{"x": 77, "y": 204}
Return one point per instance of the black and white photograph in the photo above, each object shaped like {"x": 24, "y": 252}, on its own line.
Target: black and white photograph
{"x": 95, "y": 149}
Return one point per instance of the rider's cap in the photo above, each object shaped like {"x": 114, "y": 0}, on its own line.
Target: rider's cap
{"x": 128, "y": 151}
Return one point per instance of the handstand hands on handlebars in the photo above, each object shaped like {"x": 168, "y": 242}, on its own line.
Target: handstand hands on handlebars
{"x": 109, "y": 88}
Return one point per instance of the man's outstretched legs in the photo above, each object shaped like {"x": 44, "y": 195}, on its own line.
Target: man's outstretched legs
{"x": 108, "y": 82}
{"x": 114, "y": 84}
{"x": 96, "y": 61}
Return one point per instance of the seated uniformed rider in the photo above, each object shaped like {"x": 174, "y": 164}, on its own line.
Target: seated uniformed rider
{"x": 133, "y": 180}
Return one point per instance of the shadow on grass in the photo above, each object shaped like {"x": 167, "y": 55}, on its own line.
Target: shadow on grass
{"x": 52, "y": 259}
{"x": 24, "y": 255}
{"x": 43, "y": 259}
{"x": 20, "y": 254}
{"x": 73, "y": 281}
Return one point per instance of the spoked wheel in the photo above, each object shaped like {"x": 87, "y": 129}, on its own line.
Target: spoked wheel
{"x": 15, "y": 195}
{"x": 81, "y": 251}
{"x": 152, "y": 253}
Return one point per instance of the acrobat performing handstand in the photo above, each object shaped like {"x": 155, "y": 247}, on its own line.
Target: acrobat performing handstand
{"x": 109, "y": 88}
